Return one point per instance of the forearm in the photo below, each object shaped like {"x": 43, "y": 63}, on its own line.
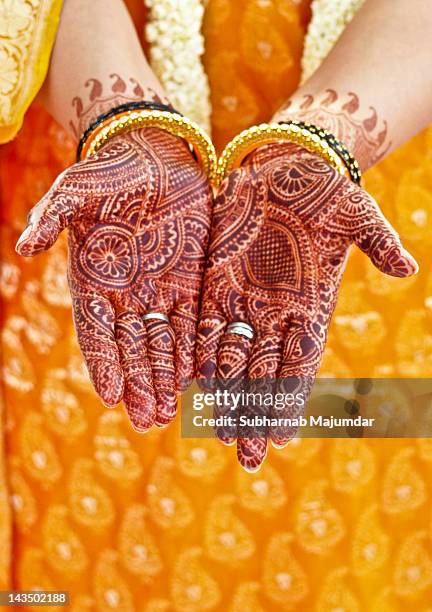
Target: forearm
{"x": 97, "y": 63}
{"x": 374, "y": 90}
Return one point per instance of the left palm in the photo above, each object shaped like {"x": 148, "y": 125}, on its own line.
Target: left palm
{"x": 138, "y": 214}
{"x": 282, "y": 227}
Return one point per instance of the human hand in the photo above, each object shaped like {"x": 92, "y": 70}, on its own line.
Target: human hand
{"x": 281, "y": 230}
{"x": 138, "y": 214}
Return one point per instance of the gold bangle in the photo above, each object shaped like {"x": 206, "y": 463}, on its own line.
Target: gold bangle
{"x": 266, "y": 133}
{"x": 169, "y": 122}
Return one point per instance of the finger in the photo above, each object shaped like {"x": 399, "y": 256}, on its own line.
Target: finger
{"x": 267, "y": 356}
{"x": 184, "y": 322}
{"x": 211, "y": 327}
{"x": 233, "y": 356}
{"x": 301, "y": 357}
{"x": 48, "y": 218}
{"x": 263, "y": 368}
{"x": 94, "y": 319}
{"x": 251, "y": 452}
{"x": 161, "y": 347}
{"x": 138, "y": 395}
{"x": 374, "y": 235}
{"x": 232, "y": 364}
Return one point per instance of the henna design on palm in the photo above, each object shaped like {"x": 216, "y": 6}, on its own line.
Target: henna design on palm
{"x": 282, "y": 227}
{"x": 138, "y": 214}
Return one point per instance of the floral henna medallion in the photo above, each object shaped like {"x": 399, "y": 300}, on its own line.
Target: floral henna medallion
{"x": 138, "y": 214}
{"x": 366, "y": 138}
{"x": 109, "y": 256}
{"x": 282, "y": 227}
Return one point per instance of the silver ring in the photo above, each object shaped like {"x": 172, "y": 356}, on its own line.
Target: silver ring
{"x": 155, "y": 315}
{"x": 241, "y": 329}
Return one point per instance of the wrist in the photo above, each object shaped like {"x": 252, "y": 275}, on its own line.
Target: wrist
{"x": 311, "y": 138}
{"x": 101, "y": 97}
{"x": 174, "y": 125}
{"x": 364, "y": 135}
{"x": 151, "y": 138}
{"x": 110, "y": 121}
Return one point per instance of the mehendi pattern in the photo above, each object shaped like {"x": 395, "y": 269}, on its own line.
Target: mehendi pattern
{"x": 139, "y": 216}
{"x": 359, "y": 128}
{"x": 282, "y": 227}
{"x": 100, "y": 99}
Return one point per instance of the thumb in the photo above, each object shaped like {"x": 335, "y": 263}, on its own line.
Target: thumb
{"x": 375, "y": 236}
{"x": 48, "y": 218}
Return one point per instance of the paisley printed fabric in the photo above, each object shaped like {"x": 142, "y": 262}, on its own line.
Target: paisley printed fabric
{"x": 165, "y": 523}
{"x": 138, "y": 214}
{"x": 27, "y": 33}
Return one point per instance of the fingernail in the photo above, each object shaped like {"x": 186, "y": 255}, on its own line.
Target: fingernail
{"x": 24, "y": 236}
{"x": 160, "y": 425}
{"x": 411, "y": 261}
{"x": 249, "y": 469}
{"x": 110, "y": 406}
{"x": 400, "y": 263}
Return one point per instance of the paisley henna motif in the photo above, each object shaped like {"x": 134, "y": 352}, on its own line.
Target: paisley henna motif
{"x": 282, "y": 227}
{"x": 365, "y": 136}
{"x": 138, "y": 214}
{"x": 102, "y": 99}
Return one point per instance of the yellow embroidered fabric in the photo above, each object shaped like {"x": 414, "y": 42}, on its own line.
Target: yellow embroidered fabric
{"x": 158, "y": 523}
{"x": 27, "y": 32}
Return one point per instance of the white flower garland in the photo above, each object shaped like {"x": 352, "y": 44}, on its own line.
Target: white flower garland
{"x": 329, "y": 20}
{"x": 177, "y": 44}
{"x": 174, "y": 33}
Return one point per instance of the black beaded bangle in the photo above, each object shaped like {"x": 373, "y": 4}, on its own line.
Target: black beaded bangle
{"x": 121, "y": 108}
{"x": 338, "y": 147}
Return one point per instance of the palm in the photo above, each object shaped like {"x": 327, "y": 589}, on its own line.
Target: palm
{"x": 139, "y": 216}
{"x": 282, "y": 227}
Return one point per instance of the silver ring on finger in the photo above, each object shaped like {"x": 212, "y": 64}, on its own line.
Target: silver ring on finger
{"x": 160, "y": 316}
{"x": 241, "y": 329}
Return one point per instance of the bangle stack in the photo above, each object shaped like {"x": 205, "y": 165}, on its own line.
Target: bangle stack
{"x": 121, "y": 120}
{"x": 313, "y": 138}
{"x": 137, "y": 115}
{"x": 337, "y": 145}
{"x": 117, "y": 110}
